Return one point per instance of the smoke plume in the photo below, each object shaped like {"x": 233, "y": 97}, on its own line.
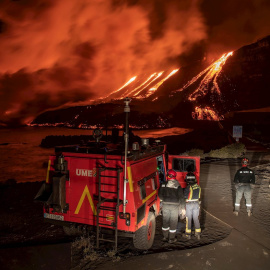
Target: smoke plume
{"x": 61, "y": 52}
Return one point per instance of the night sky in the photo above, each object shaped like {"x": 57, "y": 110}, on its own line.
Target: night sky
{"x": 55, "y": 53}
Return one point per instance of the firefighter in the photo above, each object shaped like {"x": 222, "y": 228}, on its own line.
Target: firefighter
{"x": 244, "y": 181}
{"x": 172, "y": 197}
{"x": 192, "y": 195}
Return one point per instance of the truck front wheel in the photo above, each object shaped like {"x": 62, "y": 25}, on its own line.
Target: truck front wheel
{"x": 144, "y": 237}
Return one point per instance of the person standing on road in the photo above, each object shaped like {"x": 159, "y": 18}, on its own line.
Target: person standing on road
{"x": 171, "y": 195}
{"x": 192, "y": 195}
{"x": 244, "y": 181}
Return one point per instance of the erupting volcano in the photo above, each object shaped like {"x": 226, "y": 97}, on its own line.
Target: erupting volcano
{"x": 140, "y": 88}
{"x": 59, "y": 54}
{"x": 178, "y": 95}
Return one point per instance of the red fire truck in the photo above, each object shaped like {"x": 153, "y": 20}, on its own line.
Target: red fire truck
{"x": 112, "y": 191}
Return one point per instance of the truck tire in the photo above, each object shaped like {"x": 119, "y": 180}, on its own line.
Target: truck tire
{"x": 144, "y": 237}
{"x": 71, "y": 231}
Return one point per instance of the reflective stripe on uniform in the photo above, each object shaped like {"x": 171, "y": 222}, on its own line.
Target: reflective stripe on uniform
{"x": 187, "y": 229}
{"x": 198, "y": 230}
{"x": 248, "y": 205}
{"x": 165, "y": 229}
{"x": 172, "y": 231}
{"x": 237, "y": 204}
{"x": 194, "y": 193}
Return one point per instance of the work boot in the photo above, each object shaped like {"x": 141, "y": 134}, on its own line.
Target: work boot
{"x": 172, "y": 240}
{"x": 198, "y": 235}
{"x": 164, "y": 239}
{"x": 187, "y": 236}
{"x": 235, "y": 213}
{"x": 249, "y": 213}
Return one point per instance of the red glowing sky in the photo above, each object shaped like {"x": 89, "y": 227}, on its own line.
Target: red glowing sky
{"x": 59, "y": 52}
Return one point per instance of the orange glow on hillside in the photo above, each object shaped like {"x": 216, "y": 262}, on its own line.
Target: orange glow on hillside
{"x": 141, "y": 85}
{"x": 130, "y": 81}
{"x": 211, "y": 77}
{"x": 137, "y": 91}
{"x": 206, "y": 114}
{"x": 151, "y": 90}
{"x": 154, "y": 79}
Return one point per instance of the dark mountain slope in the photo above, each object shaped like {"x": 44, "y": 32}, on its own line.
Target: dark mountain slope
{"x": 241, "y": 84}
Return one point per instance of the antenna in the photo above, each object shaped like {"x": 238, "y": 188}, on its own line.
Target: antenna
{"x": 126, "y": 137}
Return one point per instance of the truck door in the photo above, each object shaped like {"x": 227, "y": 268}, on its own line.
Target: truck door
{"x": 181, "y": 164}
{"x": 161, "y": 169}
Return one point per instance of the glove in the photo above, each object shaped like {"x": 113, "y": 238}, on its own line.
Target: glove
{"x": 237, "y": 185}
{"x": 183, "y": 212}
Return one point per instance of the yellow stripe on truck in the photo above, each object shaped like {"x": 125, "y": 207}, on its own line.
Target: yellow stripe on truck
{"x": 149, "y": 196}
{"x": 84, "y": 194}
{"x": 48, "y": 171}
{"x": 130, "y": 179}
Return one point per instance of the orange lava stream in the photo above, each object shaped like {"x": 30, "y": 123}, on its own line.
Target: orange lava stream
{"x": 157, "y": 76}
{"x": 134, "y": 90}
{"x": 130, "y": 81}
{"x": 206, "y": 114}
{"x": 153, "y": 89}
{"x": 212, "y": 74}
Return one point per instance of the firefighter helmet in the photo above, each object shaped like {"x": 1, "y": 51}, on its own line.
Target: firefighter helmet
{"x": 190, "y": 178}
{"x": 171, "y": 174}
{"x": 245, "y": 162}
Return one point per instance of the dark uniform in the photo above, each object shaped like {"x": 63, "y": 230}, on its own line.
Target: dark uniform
{"x": 171, "y": 194}
{"x": 192, "y": 195}
{"x": 243, "y": 180}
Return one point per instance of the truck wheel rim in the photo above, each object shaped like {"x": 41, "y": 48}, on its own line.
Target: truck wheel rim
{"x": 149, "y": 232}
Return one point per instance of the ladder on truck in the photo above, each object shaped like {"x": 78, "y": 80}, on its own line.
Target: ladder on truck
{"x": 107, "y": 189}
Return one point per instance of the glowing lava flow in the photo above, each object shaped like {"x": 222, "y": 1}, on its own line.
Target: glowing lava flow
{"x": 157, "y": 76}
{"x": 211, "y": 76}
{"x": 151, "y": 90}
{"x": 208, "y": 82}
{"x": 130, "y": 81}
{"x": 137, "y": 92}
{"x": 150, "y": 78}
{"x": 212, "y": 73}
{"x": 206, "y": 114}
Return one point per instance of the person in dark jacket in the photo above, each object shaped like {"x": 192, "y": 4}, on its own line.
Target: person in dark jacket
{"x": 244, "y": 181}
{"x": 171, "y": 195}
{"x": 192, "y": 195}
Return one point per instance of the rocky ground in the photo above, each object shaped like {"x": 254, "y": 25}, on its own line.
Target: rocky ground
{"x": 22, "y": 222}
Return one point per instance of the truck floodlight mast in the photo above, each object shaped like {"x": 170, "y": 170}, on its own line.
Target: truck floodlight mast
{"x": 126, "y": 136}
{"x": 109, "y": 189}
